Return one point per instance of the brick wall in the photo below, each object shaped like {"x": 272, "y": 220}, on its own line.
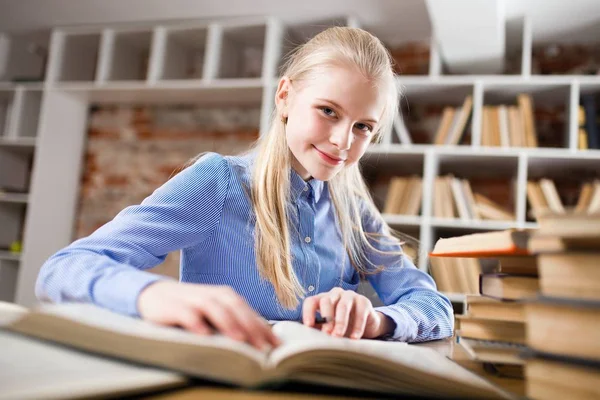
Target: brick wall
{"x": 132, "y": 151}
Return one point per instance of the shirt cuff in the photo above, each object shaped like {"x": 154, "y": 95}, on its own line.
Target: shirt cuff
{"x": 120, "y": 291}
{"x": 406, "y": 328}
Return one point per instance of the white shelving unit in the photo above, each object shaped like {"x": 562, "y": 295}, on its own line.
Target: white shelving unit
{"x": 236, "y": 62}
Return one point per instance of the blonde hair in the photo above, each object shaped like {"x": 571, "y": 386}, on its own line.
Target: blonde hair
{"x": 270, "y": 192}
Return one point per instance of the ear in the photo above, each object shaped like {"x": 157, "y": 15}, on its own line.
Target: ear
{"x": 282, "y": 95}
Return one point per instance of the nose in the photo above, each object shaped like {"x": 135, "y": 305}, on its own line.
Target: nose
{"x": 341, "y": 137}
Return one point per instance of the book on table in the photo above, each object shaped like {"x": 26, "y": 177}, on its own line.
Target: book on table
{"x": 306, "y": 355}
{"x": 509, "y": 242}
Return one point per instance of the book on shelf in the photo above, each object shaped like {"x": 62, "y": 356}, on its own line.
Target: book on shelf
{"x": 551, "y": 195}
{"x": 488, "y": 209}
{"x": 582, "y": 141}
{"x": 591, "y": 105}
{"x": 306, "y": 355}
{"x": 543, "y": 197}
{"x": 453, "y": 123}
{"x": 508, "y": 287}
{"x": 525, "y": 104}
{"x": 404, "y": 196}
{"x": 456, "y": 275}
{"x": 486, "y": 244}
{"x": 443, "y": 129}
{"x": 535, "y": 197}
{"x": 586, "y": 195}
{"x": 508, "y": 125}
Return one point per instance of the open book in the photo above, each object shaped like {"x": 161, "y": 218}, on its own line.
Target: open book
{"x": 306, "y": 355}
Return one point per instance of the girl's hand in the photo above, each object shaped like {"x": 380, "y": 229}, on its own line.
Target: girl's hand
{"x": 202, "y": 309}
{"x": 348, "y": 314}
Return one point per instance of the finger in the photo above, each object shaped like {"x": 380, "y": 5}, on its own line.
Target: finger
{"x": 221, "y": 318}
{"x": 326, "y": 307}
{"x": 362, "y": 308}
{"x": 342, "y": 312}
{"x": 309, "y": 310}
{"x": 191, "y": 320}
{"x": 256, "y": 330}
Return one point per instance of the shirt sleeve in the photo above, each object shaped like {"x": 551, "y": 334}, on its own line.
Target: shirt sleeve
{"x": 107, "y": 267}
{"x": 410, "y": 295}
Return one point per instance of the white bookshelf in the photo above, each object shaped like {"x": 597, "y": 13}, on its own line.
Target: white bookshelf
{"x": 236, "y": 62}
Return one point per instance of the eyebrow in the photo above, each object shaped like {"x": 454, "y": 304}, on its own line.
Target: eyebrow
{"x": 342, "y": 108}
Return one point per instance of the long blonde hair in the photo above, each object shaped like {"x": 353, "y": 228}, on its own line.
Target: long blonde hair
{"x": 270, "y": 192}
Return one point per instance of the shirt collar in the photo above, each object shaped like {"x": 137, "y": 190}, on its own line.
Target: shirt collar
{"x": 298, "y": 186}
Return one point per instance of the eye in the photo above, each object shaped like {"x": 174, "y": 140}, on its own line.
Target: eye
{"x": 364, "y": 127}
{"x": 328, "y": 111}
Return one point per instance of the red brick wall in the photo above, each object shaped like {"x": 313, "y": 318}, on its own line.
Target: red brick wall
{"x": 132, "y": 151}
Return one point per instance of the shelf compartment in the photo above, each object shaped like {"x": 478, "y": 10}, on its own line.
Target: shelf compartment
{"x": 29, "y": 113}
{"x": 563, "y": 176}
{"x": 423, "y": 106}
{"x": 9, "y": 271}
{"x": 575, "y": 52}
{"x": 503, "y": 119}
{"x": 588, "y": 138}
{"x": 493, "y": 183}
{"x": 130, "y": 56}
{"x": 242, "y": 49}
{"x": 79, "y": 57}
{"x": 26, "y": 56}
{"x": 380, "y": 172}
{"x": 7, "y": 97}
{"x": 184, "y": 54}
{"x": 12, "y": 216}
{"x": 15, "y": 168}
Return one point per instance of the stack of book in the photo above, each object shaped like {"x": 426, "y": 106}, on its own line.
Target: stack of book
{"x": 453, "y": 123}
{"x": 543, "y": 195}
{"x": 455, "y": 197}
{"x": 541, "y": 309}
{"x": 509, "y": 125}
{"x": 563, "y": 323}
{"x": 404, "y": 195}
{"x": 492, "y": 330}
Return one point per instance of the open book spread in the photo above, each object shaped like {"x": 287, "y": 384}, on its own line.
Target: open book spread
{"x": 306, "y": 355}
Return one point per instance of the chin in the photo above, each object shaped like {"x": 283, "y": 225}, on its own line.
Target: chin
{"x": 323, "y": 174}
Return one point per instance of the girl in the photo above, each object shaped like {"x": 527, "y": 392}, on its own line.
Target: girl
{"x": 281, "y": 232}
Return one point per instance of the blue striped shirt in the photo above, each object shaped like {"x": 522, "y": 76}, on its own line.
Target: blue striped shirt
{"x": 205, "y": 212}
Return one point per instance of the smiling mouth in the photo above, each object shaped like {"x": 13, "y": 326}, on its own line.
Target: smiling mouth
{"x": 329, "y": 158}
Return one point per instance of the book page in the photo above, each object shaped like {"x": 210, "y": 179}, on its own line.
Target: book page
{"x": 33, "y": 369}
{"x": 101, "y": 318}
{"x": 374, "y": 364}
{"x": 298, "y": 338}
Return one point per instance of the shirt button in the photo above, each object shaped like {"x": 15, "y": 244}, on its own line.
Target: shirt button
{"x": 307, "y": 239}
{"x": 306, "y": 188}
{"x": 311, "y": 288}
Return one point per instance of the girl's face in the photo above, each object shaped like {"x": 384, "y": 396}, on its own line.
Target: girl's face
{"x": 331, "y": 120}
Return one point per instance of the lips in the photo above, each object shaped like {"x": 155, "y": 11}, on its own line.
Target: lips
{"x": 330, "y": 157}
